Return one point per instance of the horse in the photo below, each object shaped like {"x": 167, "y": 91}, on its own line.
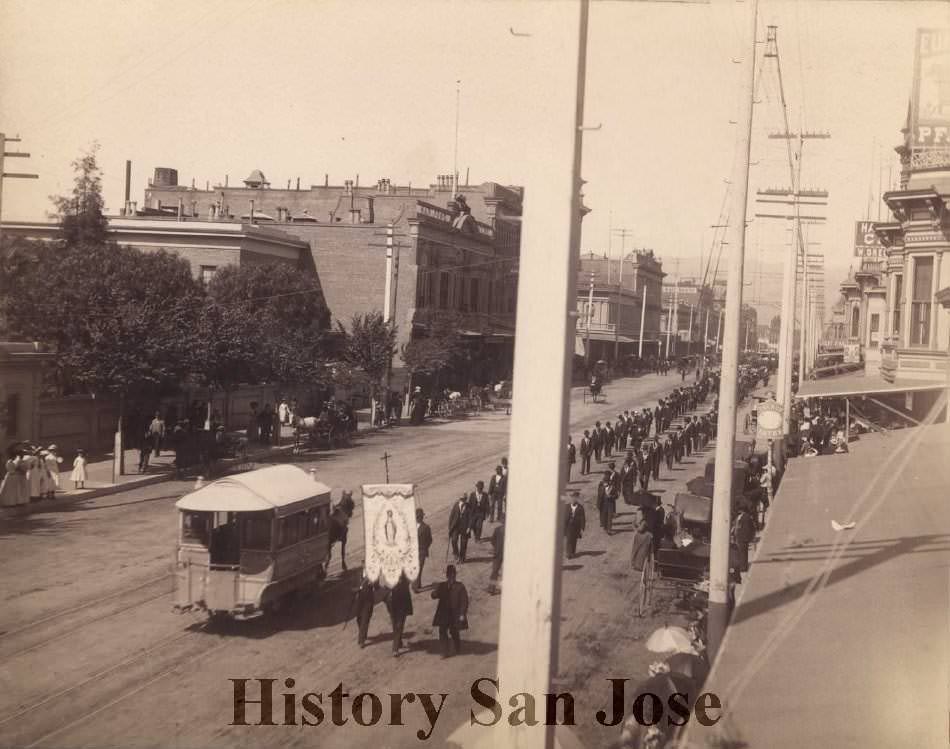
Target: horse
{"x": 339, "y": 526}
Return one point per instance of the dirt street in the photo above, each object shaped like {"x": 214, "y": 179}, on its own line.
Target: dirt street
{"x": 93, "y": 655}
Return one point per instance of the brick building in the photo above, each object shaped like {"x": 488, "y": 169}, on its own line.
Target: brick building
{"x": 449, "y": 257}
{"x": 612, "y": 322}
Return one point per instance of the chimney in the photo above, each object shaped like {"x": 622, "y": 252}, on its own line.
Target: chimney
{"x": 251, "y": 214}
{"x": 207, "y": 185}
{"x": 326, "y": 180}
{"x": 288, "y": 184}
{"x": 298, "y": 183}
{"x": 192, "y": 183}
{"x": 225, "y": 180}
{"x": 128, "y": 182}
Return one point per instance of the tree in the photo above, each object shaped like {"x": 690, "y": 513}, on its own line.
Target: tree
{"x": 82, "y": 214}
{"x": 260, "y": 323}
{"x": 369, "y": 347}
{"x": 117, "y": 319}
{"x": 437, "y": 351}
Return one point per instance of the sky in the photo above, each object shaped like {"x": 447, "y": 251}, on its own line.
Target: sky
{"x": 304, "y": 88}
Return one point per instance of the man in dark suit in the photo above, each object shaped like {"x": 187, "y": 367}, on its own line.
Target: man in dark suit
{"x": 425, "y": 542}
{"x": 587, "y": 450}
{"x": 480, "y": 506}
{"x": 597, "y": 440}
{"x": 656, "y": 457}
{"x": 495, "y": 489}
{"x": 451, "y": 613}
{"x": 628, "y": 478}
{"x": 364, "y": 599}
{"x": 574, "y": 524}
{"x": 571, "y": 457}
{"x": 498, "y": 555}
{"x": 668, "y": 450}
{"x": 460, "y": 524}
{"x": 644, "y": 467}
{"x": 399, "y": 602}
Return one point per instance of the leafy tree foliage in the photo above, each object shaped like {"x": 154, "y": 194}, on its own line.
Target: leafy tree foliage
{"x": 369, "y": 346}
{"x": 438, "y": 350}
{"x": 285, "y": 317}
{"x": 82, "y": 213}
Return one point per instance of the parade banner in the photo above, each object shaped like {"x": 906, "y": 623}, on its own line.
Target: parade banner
{"x": 930, "y": 104}
{"x": 866, "y": 241}
{"x": 389, "y": 526}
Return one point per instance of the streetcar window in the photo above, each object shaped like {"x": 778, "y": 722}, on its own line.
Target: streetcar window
{"x": 194, "y": 527}
{"x": 256, "y": 531}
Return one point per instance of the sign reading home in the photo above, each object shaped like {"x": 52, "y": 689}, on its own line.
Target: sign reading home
{"x": 866, "y": 241}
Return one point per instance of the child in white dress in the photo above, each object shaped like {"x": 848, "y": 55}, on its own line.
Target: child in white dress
{"x": 79, "y": 470}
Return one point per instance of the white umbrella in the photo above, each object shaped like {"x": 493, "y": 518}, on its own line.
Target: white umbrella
{"x": 670, "y": 640}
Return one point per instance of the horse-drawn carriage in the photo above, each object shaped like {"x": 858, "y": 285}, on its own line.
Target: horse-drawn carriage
{"x": 680, "y": 562}
{"x": 333, "y": 427}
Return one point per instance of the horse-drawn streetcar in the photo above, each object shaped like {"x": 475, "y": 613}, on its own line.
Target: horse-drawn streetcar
{"x": 251, "y": 542}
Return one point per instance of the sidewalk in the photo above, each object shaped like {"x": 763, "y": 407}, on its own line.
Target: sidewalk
{"x": 99, "y": 475}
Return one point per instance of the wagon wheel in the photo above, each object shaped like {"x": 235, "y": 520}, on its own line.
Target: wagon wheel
{"x": 646, "y": 586}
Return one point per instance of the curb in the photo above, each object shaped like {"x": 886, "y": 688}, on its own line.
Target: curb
{"x": 103, "y": 491}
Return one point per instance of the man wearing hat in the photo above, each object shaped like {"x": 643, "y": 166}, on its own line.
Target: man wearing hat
{"x": 460, "y": 523}
{"x": 451, "y": 613}
{"x": 574, "y": 524}
{"x": 424, "y": 533}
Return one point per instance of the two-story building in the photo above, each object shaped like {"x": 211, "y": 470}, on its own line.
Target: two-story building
{"x": 618, "y": 306}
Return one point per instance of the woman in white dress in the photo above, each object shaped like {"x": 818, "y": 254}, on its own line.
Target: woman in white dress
{"x": 78, "y": 475}
{"x": 15, "y": 488}
{"x": 52, "y": 470}
{"x": 36, "y": 474}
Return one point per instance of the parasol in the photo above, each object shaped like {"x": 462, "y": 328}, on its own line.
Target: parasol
{"x": 670, "y": 640}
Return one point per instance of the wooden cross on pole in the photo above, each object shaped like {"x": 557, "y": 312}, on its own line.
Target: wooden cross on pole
{"x": 385, "y": 458}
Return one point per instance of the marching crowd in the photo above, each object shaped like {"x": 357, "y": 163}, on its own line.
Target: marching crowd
{"x": 647, "y": 439}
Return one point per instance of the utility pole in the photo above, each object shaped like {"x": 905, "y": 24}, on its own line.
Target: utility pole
{"x": 669, "y": 316}
{"x": 705, "y": 339}
{"x": 623, "y": 250}
{"x": 689, "y": 344}
{"x": 590, "y": 316}
{"x": 676, "y": 306}
{"x": 455, "y": 158}
{"x": 725, "y": 440}
{"x": 4, "y": 154}
{"x": 797, "y": 246}
{"x": 643, "y": 317}
{"x": 718, "y": 329}
{"x": 547, "y": 293}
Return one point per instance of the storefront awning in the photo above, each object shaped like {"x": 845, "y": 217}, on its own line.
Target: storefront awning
{"x": 862, "y": 384}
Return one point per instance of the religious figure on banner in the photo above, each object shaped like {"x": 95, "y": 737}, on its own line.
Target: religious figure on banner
{"x": 392, "y": 542}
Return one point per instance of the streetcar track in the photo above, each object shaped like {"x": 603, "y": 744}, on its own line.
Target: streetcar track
{"x": 88, "y": 604}
{"x": 188, "y": 657}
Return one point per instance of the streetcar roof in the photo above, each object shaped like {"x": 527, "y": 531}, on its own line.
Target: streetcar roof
{"x": 284, "y": 488}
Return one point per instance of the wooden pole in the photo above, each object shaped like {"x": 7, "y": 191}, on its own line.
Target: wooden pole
{"x": 719, "y": 584}
{"x": 527, "y": 647}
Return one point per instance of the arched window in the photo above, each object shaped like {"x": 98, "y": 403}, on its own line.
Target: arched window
{"x": 855, "y": 321}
